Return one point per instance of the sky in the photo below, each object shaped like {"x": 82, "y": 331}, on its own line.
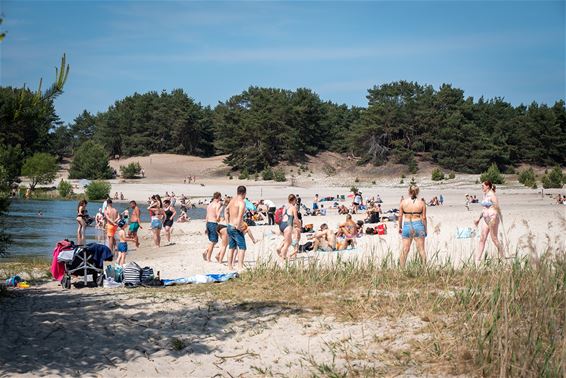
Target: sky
{"x": 214, "y": 50}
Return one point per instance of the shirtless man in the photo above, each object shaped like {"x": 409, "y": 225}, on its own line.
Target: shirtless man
{"x": 112, "y": 218}
{"x": 324, "y": 239}
{"x": 212, "y": 217}
{"x": 234, "y": 214}
{"x": 134, "y": 223}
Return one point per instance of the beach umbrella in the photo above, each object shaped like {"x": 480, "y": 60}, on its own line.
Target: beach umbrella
{"x": 249, "y": 205}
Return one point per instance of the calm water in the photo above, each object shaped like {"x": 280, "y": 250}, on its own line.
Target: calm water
{"x": 34, "y": 234}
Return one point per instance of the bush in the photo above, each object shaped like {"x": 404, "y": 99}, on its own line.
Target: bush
{"x": 413, "y": 167}
{"x": 98, "y": 190}
{"x": 492, "y": 174}
{"x": 357, "y": 180}
{"x": 527, "y": 177}
{"x": 65, "y": 189}
{"x": 279, "y": 175}
{"x": 437, "y": 174}
{"x": 353, "y": 189}
{"x": 452, "y": 176}
{"x": 131, "y": 170}
{"x": 244, "y": 175}
{"x": 90, "y": 162}
{"x": 553, "y": 179}
{"x": 41, "y": 168}
{"x": 267, "y": 174}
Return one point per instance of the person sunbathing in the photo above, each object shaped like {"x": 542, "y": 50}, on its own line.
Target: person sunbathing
{"x": 349, "y": 230}
{"x": 324, "y": 239}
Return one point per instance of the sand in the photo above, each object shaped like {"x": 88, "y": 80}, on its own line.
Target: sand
{"x": 119, "y": 332}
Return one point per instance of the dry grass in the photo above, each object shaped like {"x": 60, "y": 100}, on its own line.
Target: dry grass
{"x": 32, "y": 269}
{"x": 499, "y": 319}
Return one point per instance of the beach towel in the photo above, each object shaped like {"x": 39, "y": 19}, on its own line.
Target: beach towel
{"x": 201, "y": 278}
{"x": 58, "y": 268}
{"x": 464, "y": 233}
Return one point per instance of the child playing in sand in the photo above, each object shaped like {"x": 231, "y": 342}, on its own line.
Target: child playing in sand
{"x": 123, "y": 243}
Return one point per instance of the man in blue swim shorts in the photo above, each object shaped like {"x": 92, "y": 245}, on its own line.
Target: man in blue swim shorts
{"x": 235, "y": 226}
{"x": 212, "y": 217}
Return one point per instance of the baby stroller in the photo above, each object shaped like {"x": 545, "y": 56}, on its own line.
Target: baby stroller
{"x": 83, "y": 261}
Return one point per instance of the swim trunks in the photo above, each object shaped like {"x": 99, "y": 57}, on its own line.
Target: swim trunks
{"x": 211, "y": 228}
{"x": 236, "y": 238}
{"x": 134, "y": 226}
{"x": 123, "y": 247}
{"x": 414, "y": 229}
{"x": 111, "y": 229}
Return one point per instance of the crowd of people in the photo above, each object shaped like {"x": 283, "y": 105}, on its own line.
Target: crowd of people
{"x": 228, "y": 221}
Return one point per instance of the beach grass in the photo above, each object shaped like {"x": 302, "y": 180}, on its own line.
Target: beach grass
{"x": 32, "y": 269}
{"x": 501, "y": 318}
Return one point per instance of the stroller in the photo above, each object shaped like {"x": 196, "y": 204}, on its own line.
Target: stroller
{"x": 83, "y": 261}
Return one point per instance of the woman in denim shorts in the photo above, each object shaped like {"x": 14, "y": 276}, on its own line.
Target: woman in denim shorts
{"x": 412, "y": 224}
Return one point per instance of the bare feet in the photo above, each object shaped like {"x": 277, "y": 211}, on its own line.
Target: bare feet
{"x": 204, "y": 255}
{"x": 217, "y": 257}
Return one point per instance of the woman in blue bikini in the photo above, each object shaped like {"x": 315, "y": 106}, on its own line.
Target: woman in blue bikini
{"x": 491, "y": 216}
{"x": 287, "y": 225}
{"x": 412, "y": 224}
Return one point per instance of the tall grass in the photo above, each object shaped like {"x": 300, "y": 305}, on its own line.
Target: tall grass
{"x": 502, "y": 318}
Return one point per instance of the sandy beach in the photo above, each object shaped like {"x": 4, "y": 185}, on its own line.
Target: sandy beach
{"x": 120, "y": 332}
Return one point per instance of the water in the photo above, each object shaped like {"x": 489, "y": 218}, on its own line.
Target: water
{"x": 36, "y": 235}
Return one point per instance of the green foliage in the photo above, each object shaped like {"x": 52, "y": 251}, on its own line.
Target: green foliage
{"x": 437, "y": 175}
{"x": 131, "y": 171}
{"x": 279, "y": 175}
{"x": 328, "y": 169}
{"x": 90, "y": 162}
{"x": 354, "y": 189}
{"x": 98, "y": 190}
{"x": 244, "y": 175}
{"x": 41, "y": 168}
{"x": 267, "y": 174}
{"x": 492, "y": 174}
{"x": 413, "y": 181}
{"x": 452, "y": 176}
{"x": 357, "y": 180}
{"x": 553, "y": 179}
{"x": 527, "y": 177}
{"x": 65, "y": 189}
{"x": 11, "y": 161}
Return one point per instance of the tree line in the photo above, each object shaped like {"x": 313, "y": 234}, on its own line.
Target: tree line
{"x": 262, "y": 127}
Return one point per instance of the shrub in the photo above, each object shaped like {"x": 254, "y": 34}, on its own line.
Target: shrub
{"x": 131, "y": 170}
{"x": 553, "y": 179}
{"x": 98, "y": 190}
{"x": 279, "y": 175}
{"x": 90, "y": 162}
{"x": 267, "y": 174}
{"x": 65, "y": 189}
{"x": 492, "y": 174}
{"x": 437, "y": 174}
{"x": 452, "y": 175}
{"x": 527, "y": 177}
{"x": 244, "y": 175}
{"x": 413, "y": 181}
{"x": 373, "y": 182}
{"x": 328, "y": 169}
{"x": 413, "y": 167}
{"x": 357, "y": 180}
{"x": 41, "y": 168}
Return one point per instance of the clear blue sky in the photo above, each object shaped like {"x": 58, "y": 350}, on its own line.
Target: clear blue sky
{"x": 213, "y": 50}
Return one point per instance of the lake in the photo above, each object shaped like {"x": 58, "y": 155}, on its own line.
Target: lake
{"x": 36, "y": 234}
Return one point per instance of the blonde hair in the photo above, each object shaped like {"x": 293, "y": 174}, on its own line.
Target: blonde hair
{"x": 413, "y": 191}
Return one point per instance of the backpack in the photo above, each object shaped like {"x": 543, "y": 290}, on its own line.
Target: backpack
{"x": 279, "y": 215}
{"x": 370, "y": 231}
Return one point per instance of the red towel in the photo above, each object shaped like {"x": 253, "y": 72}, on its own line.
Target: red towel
{"x": 58, "y": 268}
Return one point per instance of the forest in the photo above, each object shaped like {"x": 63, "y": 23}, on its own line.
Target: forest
{"x": 262, "y": 127}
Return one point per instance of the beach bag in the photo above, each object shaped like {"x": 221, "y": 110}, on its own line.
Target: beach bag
{"x": 147, "y": 274}
{"x": 279, "y": 215}
{"x": 132, "y": 274}
{"x": 116, "y": 273}
{"x": 370, "y": 230}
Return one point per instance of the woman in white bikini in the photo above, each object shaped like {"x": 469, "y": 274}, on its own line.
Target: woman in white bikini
{"x": 491, "y": 216}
